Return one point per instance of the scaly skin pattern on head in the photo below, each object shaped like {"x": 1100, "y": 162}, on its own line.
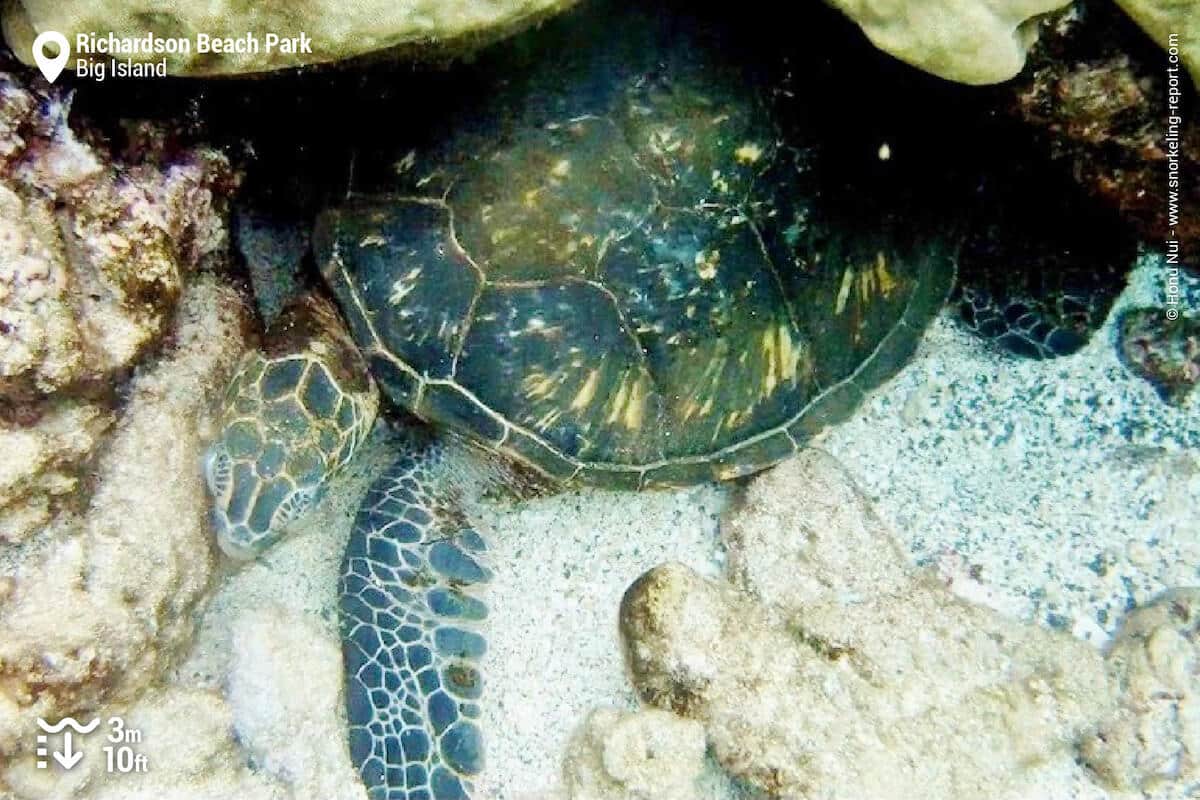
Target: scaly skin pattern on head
{"x": 294, "y": 414}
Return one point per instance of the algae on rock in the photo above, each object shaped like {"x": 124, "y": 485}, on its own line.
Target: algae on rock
{"x": 94, "y": 253}
{"x": 93, "y": 250}
{"x": 1163, "y": 351}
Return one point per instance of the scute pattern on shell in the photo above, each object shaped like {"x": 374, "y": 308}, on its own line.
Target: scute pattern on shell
{"x": 642, "y": 274}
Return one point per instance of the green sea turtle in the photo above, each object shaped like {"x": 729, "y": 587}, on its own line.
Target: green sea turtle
{"x": 631, "y": 265}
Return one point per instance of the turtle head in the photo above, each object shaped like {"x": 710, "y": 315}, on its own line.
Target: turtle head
{"x": 294, "y": 414}
{"x": 252, "y": 502}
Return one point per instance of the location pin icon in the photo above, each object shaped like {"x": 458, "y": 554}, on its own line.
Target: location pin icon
{"x": 51, "y": 67}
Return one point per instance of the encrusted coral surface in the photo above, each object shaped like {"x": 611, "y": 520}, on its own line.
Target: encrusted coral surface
{"x": 1155, "y": 737}
{"x": 970, "y": 41}
{"x": 643, "y": 755}
{"x": 94, "y": 249}
{"x": 1165, "y": 352}
{"x": 1095, "y": 99}
{"x": 101, "y": 603}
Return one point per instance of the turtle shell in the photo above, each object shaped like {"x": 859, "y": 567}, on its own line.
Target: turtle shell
{"x": 632, "y": 271}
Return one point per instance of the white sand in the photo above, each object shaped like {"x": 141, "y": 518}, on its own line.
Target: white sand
{"x": 1067, "y": 488}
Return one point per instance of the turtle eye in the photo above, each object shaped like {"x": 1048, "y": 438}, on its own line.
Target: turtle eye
{"x": 218, "y": 471}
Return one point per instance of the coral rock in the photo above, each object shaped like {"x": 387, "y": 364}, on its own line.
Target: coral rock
{"x": 280, "y": 663}
{"x": 1161, "y": 18}
{"x": 1155, "y": 737}
{"x": 1095, "y": 101}
{"x": 1163, "y": 351}
{"x": 644, "y": 755}
{"x": 831, "y": 669}
{"x": 93, "y": 252}
{"x": 970, "y": 41}
{"x": 42, "y": 464}
{"x": 103, "y": 604}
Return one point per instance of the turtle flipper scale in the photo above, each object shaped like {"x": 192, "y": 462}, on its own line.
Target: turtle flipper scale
{"x": 410, "y": 639}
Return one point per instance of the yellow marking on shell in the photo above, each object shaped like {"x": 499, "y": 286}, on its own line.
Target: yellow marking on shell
{"x": 717, "y": 429}
{"x": 748, "y": 153}
{"x": 406, "y": 163}
{"x": 531, "y": 197}
{"x": 706, "y": 264}
{"x": 587, "y": 392}
{"x": 728, "y": 472}
{"x": 404, "y": 286}
{"x": 719, "y": 183}
{"x": 548, "y": 419}
{"x": 872, "y": 279}
{"x": 768, "y": 348}
{"x": 617, "y": 403}
{"x": 539, "y": 386}
{"x": 628, "y": 407}
{"x": 635, "y": 409}
{"x": 500, "y": 234}
{"x": 887, "y": 283}
{"x": 664, "y": 140}
{"x": 708, "y": 386}
{"x": 844, "y": 291}
{"x": 562, "y": 168}
{"x": 781, "y": 359}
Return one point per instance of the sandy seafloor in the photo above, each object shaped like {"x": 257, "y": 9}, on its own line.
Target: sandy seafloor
{"x": 1060, "y": 492}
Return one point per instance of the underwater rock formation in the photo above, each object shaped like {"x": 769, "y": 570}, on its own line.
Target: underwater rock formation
{"x": 1095, "y": 100}
{"x": 334, "y": 31}
{"x": 1161, "y": 18}
{"x": 94, "y": 252}
{"x": 831, "y": 669}
{"x": 93, "y": 249}
{"x": 643, "y": 755}
{"x": 42, "y": 464}
{"x": 280, "y": 663}
{"x": 1155, "y": 736}
{"x": 104, "y": 603}
{"x": 970, "y": 41}
{"x": 1163, "y": 351}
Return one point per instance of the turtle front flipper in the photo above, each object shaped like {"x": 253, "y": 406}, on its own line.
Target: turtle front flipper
{"x": 294, "y": 414}
{"x": 409, "y": 635}
{"x": 1041, "y": 267}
